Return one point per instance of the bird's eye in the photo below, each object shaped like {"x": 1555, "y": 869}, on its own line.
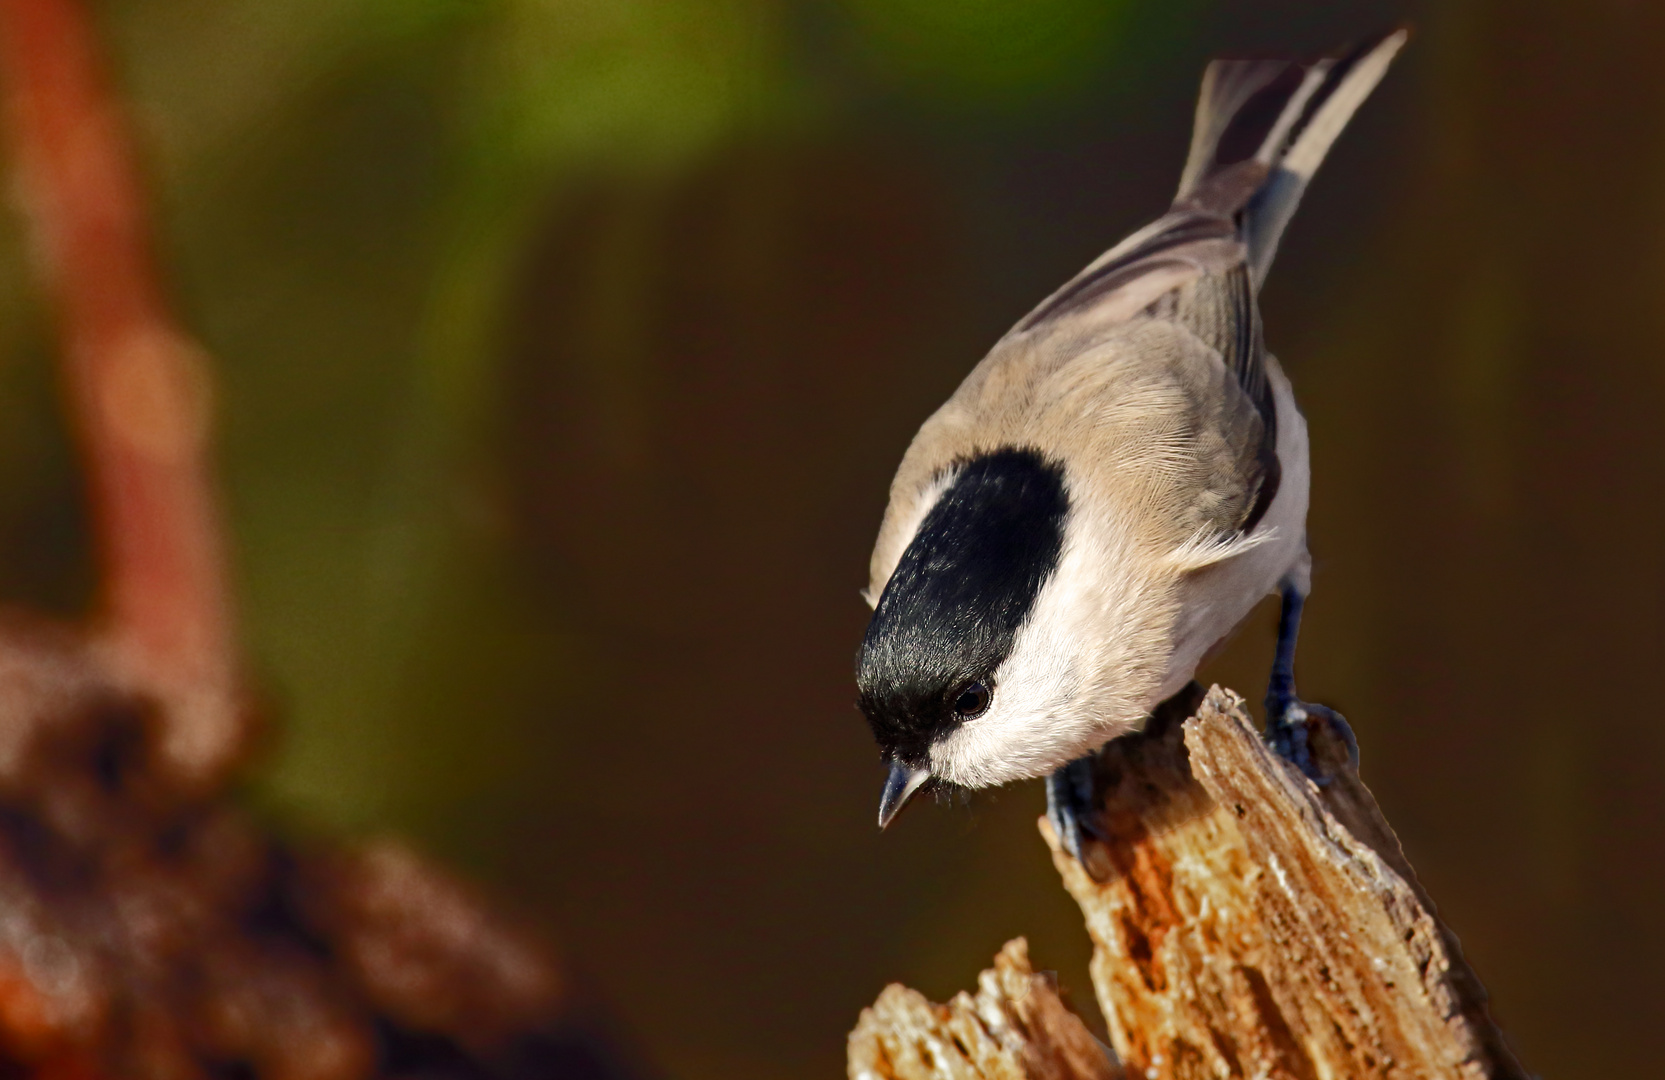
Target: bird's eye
{"x": 972, "y": 700}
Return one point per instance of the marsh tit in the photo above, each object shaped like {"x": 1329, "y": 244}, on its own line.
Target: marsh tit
{"x": 1117, "y": 484}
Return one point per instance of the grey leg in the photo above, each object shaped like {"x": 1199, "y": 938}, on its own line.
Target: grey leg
{"x": 1287, "y": 716}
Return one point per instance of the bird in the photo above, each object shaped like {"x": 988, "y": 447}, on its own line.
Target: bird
{"x": 1116, "y": 484}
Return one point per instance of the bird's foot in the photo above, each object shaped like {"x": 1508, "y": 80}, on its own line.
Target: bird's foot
{"x": 1290, "y": 723}
{"x": 1072, "y": 803}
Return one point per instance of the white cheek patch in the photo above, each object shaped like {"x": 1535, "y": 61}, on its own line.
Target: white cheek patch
{"x": 1030, "y": 718}
{"x": 1034, "y": 722}
{"x": 1080, "y": 672}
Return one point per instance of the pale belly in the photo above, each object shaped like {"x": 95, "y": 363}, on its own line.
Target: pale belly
{"x": 1219, "y": 597}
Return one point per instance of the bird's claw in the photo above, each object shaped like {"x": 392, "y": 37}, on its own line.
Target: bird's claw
{"x": 1289, "y": 727}
{"x": 1071, "y": 803}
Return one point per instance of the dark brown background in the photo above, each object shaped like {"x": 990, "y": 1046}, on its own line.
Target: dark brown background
{"x": 562, "y": 393}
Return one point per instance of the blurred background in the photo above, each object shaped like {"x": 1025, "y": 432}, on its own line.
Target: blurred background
{"x": 567, "y": 348}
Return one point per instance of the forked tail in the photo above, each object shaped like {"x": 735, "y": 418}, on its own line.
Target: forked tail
{"x": 1282, "y": 117}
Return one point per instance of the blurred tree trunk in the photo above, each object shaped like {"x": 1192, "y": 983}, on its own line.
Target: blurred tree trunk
{"x": 1246, "y": 922}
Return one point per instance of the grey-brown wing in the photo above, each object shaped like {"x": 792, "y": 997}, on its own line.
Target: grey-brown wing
{"x": 1220, "y": 309}
{"x": 1187, "y": 238}
{"x": 1214, "y": 300}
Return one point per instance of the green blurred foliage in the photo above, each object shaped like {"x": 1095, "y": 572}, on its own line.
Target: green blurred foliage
{"x": 349, "y": 188}
{"x": 983, "y": 52}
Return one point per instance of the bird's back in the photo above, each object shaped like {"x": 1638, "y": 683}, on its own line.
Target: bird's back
{"x": 1151, "y": 427}
{"x": 1145, "y": 375}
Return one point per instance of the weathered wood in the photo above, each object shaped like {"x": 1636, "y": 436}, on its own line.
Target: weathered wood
{"x": 1016, "y": 1028}
{"x": 1246, "y": 922}
{"x": 1249, "y": 922}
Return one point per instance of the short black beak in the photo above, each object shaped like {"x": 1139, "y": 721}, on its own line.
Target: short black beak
{"x": 899, "y": 788}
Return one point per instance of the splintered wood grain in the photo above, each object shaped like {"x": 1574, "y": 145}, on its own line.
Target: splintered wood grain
{"x": 1248, "y": 923}
{"x": 1015, "y": 1028}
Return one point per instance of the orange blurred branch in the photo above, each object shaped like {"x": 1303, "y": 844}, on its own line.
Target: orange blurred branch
{"x": 137, "y": 383}
{"x": 176, "y": 937}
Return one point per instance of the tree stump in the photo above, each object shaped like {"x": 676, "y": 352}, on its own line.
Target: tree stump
{"x": 1248, "y": 922}
{"x": 1016, "y": 1028}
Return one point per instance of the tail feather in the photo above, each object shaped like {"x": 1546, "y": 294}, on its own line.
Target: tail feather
{"x": 1235, "y": 94}
{"x": 1284, "y": 117}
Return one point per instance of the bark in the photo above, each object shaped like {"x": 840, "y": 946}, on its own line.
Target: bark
{"x": 1015, "y": 1028}
{"x": 1248, "y": 922}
